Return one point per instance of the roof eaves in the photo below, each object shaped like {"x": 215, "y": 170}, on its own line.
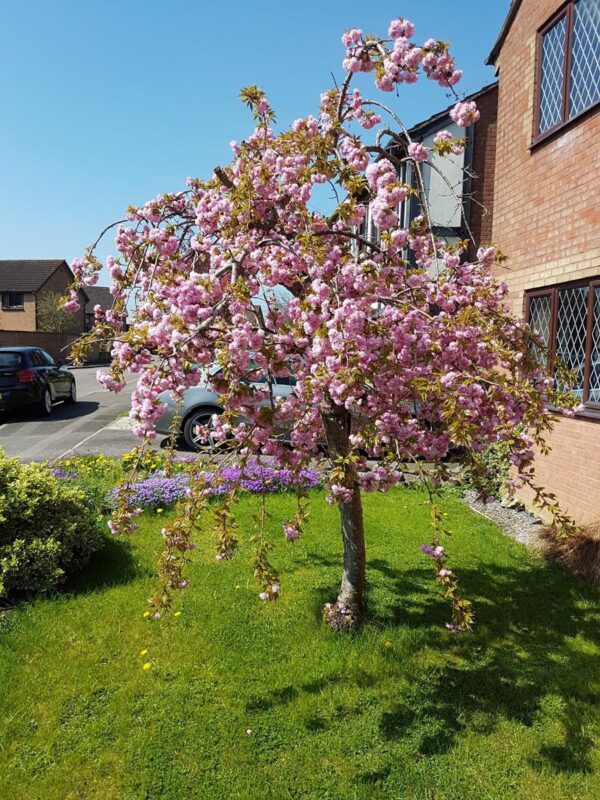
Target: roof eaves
{"x": 512, "y": 13}
{"x": 431, "y": 121}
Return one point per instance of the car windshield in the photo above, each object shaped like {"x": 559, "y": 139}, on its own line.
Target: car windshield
{"x": 10, "y": 360}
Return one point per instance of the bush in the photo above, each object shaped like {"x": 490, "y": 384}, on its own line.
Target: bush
{"x": 494, "y": 471}
{"x": 48, "y": 527}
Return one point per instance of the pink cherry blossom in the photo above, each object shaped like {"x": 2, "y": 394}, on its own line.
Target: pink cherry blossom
{"x": 418, "y": 152}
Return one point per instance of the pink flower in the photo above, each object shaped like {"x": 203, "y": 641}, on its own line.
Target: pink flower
{"x": 465, "y": 114}
{"x": 417, "y": 151}
{"x": 351, "y": 37}
{"x": 401, "y": 28}
{"x": 72, "y": 304}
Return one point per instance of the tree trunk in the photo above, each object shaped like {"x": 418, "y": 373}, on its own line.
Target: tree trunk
{"x": 348, "y": 608}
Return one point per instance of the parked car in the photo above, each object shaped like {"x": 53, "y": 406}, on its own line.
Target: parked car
{"x": 198, "y": 407}
{"x": 29, "y": 376}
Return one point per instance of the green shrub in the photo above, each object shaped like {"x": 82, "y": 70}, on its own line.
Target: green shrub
{"x": 48, "y": 527}
{"x": 494, "y": 471}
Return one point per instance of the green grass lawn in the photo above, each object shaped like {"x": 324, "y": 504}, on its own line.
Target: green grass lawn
{"x": 510, "y": 711}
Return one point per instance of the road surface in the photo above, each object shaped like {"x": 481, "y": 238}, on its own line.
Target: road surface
{"x": 97, "y": 423}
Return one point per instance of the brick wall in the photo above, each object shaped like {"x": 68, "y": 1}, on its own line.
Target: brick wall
{"x": 57, "y": 344}
{"x": 483, "y": 165}
{"x": 547, "y": 221}
{"x": 22, "y": 319}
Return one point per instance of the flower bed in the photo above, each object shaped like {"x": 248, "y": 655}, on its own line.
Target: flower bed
{"x": 158, "y": 490}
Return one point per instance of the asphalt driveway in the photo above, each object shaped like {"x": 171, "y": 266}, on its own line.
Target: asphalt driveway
{"x": 97, "y": 423}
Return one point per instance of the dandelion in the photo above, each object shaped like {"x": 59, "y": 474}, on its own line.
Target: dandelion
{"x": 147, "y": 665}
{"x": 159, "y": 511}
{"x": 388, "y": 645}
{"x": 146, "y": 613}
{"x": 144, "y": 651}
{"x": 177, "y": 613}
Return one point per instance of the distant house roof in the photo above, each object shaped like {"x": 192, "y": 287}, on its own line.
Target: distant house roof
{"x": 512, "y": 13}
{"x": 26, "y": 275}
{"x": 422, "y": 127}
{"x": 98, "y": 295}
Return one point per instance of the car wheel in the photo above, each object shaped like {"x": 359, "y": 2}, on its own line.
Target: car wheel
{"x": 71, "y": 398}
{"x": 46, "y": 404}
{"x": 202, "y": 417}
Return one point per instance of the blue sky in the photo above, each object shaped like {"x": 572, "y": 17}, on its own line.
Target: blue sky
{"x": 106, "y": 103}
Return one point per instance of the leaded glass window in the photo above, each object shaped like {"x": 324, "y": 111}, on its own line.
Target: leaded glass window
{"x": 594, "y": 393}
{"x": 567, "y": 318}
{"x": 539, "y": 316}
{"x": 552, "y": 77}
{"x": 571, "y": 324}
{"x": 585, "y": 56}
{"x": 569, "y": 65}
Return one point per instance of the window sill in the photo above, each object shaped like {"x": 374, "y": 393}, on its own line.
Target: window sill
{"x": 14, "y": 308}
{"x": 563, "y": 127}
{"x": 590, "y": 413}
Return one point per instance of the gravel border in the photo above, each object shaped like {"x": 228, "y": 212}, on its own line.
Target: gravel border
{"x": 514, "y": 521}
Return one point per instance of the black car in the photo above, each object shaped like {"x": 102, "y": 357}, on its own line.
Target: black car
{"x": 30, "y": 376}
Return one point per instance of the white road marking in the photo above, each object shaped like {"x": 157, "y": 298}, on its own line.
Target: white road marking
{"x": 83, "y": 441}
{"x": 101, "y": 389}
{"x": 120, "y": 424}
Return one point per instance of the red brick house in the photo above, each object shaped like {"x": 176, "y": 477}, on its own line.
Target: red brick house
{"x": 24, "y": 282}
{"x": 547, "y": 216}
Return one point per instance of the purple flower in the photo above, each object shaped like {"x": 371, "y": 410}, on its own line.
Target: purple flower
{"x": 158, "y": 490}
{"x": 433, "y": 552}
{"x": 63, "y": 473}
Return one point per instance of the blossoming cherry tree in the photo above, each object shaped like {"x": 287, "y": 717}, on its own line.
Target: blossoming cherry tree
{"x": 402, "y": 349}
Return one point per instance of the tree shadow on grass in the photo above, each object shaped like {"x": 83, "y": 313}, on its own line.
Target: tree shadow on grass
{"x": 532, "y": 659}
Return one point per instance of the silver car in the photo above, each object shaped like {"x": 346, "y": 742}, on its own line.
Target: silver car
{"x": 198, "y": 407}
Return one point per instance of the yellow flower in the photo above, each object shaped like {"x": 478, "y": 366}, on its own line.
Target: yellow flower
{"x": 177, "y": 613}
{"x": 147, "y": 665}
{"x": 237, "y": 586}
{"x": 159, "y": 511}
{"x": 144, "y": 651}
{"x": 146, "y": 613}
{"x": 389, "y": 645}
